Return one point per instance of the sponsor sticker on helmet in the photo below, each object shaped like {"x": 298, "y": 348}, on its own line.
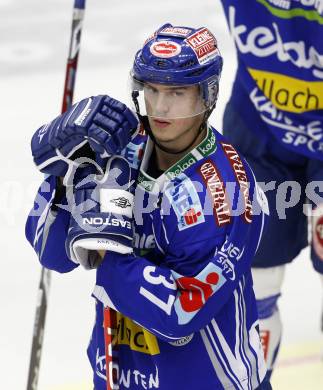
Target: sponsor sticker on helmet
{"x": 150, "y": 38}
{"x": 204, "y": 45}
{"x": 165, "y": 49}
{"x": 175, "y": 31}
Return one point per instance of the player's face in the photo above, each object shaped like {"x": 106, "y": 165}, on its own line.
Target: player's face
{"x": 172, "y": 113}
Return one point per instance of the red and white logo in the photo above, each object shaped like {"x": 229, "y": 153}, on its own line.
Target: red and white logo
{"x": 175, "y": 31}
{"x": 204, "y": 45}
{"x": 195, "y": 292}
{"x": 165, "y": 49}
{"x": 241, "y": 177}
{"x": 191, "y": 216}
{"x": 212, "y": 179}
{"x": 317, "y": 231}
{"x": 265, "y": 338}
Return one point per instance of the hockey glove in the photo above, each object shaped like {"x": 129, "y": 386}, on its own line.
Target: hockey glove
{"x": 102, "y": 121}
{"x": 112, "y": 128}
{"x": 101, "y": 213}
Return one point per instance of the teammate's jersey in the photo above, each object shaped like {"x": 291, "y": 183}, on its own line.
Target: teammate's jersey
{"x": 279, "y": 83}
{"x": 188, "y": 309}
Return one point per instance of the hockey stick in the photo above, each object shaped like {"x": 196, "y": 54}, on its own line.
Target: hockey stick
{"x": 111, "y": 348}
{"x": 45, "y": 278}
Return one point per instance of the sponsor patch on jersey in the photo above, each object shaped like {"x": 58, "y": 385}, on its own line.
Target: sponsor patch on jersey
{"x": 241, "y": 177}
{"x": 304, "y": 137}
{"x": 283, "y": 4}
{"x": 133, "y": 154}
{"x": 214, "y": 183}
{"x": 205, "y": 148}
{"x": 136, "y": 337}
{"x": 265, "y": 339}
{"x": 227, "y": 256}
{"x": 284, "y": 8}
{"x": 317, "y": 234}
{"x": 181, "y": 166}
{"x": 195, "y": 291}
{"x": 204, "y": 45}
{"x": 165, "y": 49}
{"x": 208, "y": 146}
{"x": 288, "y": 93}
{"x": 175, "y": 31}
{"x": 147, "y": 183}
{"x": 143, "y": 241}
{"x": 129, "y": 378}
{"x": 285, "y": 52}
{"x": 183, "y": 341}
{"x": 184, "y": 200}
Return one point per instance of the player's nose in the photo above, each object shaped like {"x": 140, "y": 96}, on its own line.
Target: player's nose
{"x": 162, "y": 105}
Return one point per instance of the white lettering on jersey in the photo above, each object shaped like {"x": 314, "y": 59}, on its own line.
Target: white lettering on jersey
{"x": 262, "y": 41}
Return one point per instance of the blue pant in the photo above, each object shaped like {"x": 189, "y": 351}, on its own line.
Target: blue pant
{"x": 284, "y": 238}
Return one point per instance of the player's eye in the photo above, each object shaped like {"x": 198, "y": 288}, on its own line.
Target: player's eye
{"x": 178, "y": 93}
{"x": 150, "y": 89}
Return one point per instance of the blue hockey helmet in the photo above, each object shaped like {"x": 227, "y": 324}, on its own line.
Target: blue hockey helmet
{"x": 179, "y": 56}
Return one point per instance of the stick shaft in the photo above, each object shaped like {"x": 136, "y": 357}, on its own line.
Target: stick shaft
{"x": 75, "y": 42}
{"x": 111, "y": 348}
{"x": 45, "y": 277}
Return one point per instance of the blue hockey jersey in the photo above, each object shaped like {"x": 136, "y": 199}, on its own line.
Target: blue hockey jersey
{"x": 186, "y": 309}
{"x": 279, "y": 83}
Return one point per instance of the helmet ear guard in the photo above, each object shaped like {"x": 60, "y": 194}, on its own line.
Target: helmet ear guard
{"x": 210, "y": 91}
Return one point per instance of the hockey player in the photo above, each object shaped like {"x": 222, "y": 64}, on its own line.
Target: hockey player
{"x": 274, "y": 117}
{"x": 181, "y": 282}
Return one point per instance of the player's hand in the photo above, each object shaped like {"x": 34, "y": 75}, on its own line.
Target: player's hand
{"x": 112, "y": 128}
{"x": 101, "y": 121}
{"x": 101, "y": 213}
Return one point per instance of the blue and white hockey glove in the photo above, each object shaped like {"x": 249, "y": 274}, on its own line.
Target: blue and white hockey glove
{"x": 103, "y": 122}
{"x": 101, "y": 213}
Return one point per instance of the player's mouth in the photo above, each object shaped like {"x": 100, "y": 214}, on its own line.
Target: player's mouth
{"x": 161, "y": 123}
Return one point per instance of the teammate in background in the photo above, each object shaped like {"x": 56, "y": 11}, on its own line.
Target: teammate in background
{"x": 275, "y": 118}
{"x": 181, "y": 282}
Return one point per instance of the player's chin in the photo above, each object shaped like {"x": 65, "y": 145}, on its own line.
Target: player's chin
{"x": 162, "y": 137}
{"x": 163, "y": 133}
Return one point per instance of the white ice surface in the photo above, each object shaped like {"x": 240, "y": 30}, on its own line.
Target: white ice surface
{"x": 34, "y": 38}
